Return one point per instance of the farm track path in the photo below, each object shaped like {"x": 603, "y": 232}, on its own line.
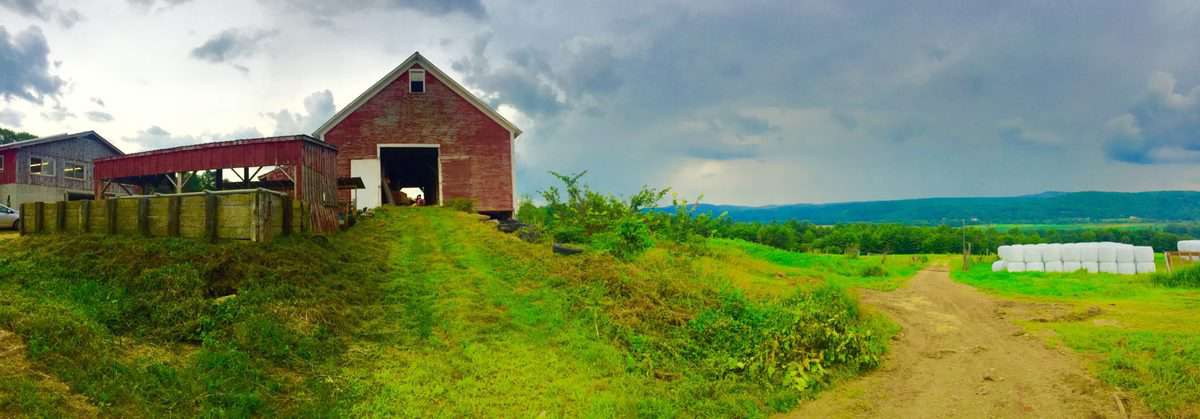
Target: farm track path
{"x": 958, "y": 357}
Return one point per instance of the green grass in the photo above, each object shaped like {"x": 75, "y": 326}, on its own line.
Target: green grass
{"x": 1078, "y": 226}
{"x": 420, "y": 312}
{"x": 1147, "y": 340}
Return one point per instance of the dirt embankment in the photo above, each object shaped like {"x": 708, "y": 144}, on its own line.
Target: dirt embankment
{"x": 959, "y": 356}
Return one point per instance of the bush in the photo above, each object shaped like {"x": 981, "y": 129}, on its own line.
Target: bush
{"x": 872, "y": 271}
{"x": 628, "y": 239}
{"x": 461, "y": 204}
{"x": 1184, "y": 278}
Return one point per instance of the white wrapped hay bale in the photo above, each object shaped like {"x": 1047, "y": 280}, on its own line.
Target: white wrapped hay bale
{"x": 1005, "y": 253}
{"x": 1106, "y": 253}
{"x": 1108, "y": 267}
{"x": 1052, "y": 253}
{"x": 1126, "y": 268}
{"x": 1015, "y": 266}
{"x": 1145, "y": 267}
{"x": 1035, "y": 267}
{"x": 1124, "y": 254}
{"x": 1070, "y": 253}
{"x": 999, "y": 266}
{"x": 1089, "y": 253}
{"x": 1031, "y": 254}
{"x": 1072, "y": 266}
{"x": 1090, "y": 267}
{"x": 1143, "y": 254}
{"x": 1054, "y": 266}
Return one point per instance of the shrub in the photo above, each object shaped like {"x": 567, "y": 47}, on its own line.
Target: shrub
{"x": 872, "y": 271}
{"x": 461, "y": 204}
{"x": 629, "y": 238}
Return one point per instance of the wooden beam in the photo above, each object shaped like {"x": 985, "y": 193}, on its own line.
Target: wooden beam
{"x": 39, "y": 214}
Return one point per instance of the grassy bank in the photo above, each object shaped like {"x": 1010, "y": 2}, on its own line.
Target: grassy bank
{"x": 425, "y": 312}
{"x": 1146, "y": 339}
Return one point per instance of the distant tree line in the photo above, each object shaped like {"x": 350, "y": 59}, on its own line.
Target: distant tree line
{"x": 9, "y": 136}
{"x": 907, "y": 239}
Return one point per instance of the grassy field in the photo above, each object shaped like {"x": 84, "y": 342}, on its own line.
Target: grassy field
{"x": 8, "y": 234}
{"x": 1145, "y": 340}
{"x": 1084, "y": 226}
{"x": 425, "y": 312}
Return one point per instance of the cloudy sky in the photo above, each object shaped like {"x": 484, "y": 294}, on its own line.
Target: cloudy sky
{"x": 746, "y": 102}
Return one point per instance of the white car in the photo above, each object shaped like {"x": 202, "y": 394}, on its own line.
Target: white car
{"x": 9, "y": 218}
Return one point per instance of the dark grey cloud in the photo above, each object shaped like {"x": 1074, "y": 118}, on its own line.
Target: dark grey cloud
{"x": 319, "y": 107}
{"x": 43, "y": 10}
{"x": 1163, "y": 127}
{"x": 24, "y": 64}
{"x": 147, "y": 5}
{"x": 57, "y": 113}
{"x": 231, "y": 44}
{"x": 98, "y": 116}
{"x": 10, "y": 118}
{"x": 324, "y": 13}
{"x": 155, "y": 137}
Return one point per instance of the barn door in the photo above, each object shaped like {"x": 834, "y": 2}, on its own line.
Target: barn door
{"x": 368, "y": 170}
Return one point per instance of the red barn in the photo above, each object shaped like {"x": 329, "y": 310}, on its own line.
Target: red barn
{"x": 419, "y": 130}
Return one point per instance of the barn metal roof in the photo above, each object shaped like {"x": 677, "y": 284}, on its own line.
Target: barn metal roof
{"x": 61, "y": 137}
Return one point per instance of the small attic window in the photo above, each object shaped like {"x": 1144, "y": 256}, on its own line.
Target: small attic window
{"x": 416, "y": 81}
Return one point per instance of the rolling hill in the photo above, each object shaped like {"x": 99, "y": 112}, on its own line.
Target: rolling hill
{"x": 1043, "y": 208}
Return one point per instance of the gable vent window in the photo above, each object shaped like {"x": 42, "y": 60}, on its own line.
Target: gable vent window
{"x": 416, "y": 81}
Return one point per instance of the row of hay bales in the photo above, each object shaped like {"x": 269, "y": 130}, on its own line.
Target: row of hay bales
{"x": 1104, "y": 257}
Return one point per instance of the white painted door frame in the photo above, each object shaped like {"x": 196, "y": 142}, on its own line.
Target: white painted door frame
{"x": 379, "y": 155}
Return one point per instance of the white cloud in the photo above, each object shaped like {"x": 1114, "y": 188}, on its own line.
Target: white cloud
{"x": 319, "y": 107}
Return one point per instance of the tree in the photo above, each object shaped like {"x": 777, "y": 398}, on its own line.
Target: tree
{"x": 9, "y": 136}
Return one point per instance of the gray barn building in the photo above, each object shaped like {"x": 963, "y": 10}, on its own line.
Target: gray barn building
{"x": 54, "y": 168}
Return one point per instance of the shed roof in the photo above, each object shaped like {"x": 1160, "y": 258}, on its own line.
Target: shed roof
{"x": 414, "y": 59}
{"x": 61, "y": 137}
{"x": 251, "y": 152}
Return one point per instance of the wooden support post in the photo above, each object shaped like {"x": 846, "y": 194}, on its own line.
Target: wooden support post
{"x": 219, "y": 180}
{"x": 25, "y": 222}
{"x": 173, "y": 210}
{"x": 85, "y": 216}
{"x": 60, "y": 215}
{"x": 210, "y": 217}
{"x": 110, "y": 215}
{"x": 143, "y": 216}
{"x": 287, "y": 216}
{"x": 39, "y": 214}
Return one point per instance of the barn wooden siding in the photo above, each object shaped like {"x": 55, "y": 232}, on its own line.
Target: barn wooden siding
{"x": 475, "y": 151}
{"x": 257, "y": 215}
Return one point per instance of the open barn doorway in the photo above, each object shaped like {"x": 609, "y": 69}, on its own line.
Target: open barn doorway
{"x": 410, "y": 171}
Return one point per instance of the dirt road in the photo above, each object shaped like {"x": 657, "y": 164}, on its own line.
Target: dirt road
{"x": 959, "y": 357}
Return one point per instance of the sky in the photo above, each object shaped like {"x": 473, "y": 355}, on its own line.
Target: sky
{"x": 749, "y": 102}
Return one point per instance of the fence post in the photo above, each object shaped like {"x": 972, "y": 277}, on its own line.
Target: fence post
{"x": 60, "y": 215}
{"x": 173, "y": 204}
{"x": 39, "y": 214}
{"x": 111, "y": 216}
{"x": 25, "y": 218}
{"x": 287, "y": 216}
{"x": 210, "y": 217}
{"x": 85, "y": 216}
{"x": 143, "y": 216}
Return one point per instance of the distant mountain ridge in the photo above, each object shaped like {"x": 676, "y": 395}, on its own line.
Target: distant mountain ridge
{"x": 1046, "y": 207}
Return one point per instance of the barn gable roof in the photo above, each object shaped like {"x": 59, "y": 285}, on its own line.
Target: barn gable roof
{"x": 62, "y": 137}
{"x": 399, "y": 71}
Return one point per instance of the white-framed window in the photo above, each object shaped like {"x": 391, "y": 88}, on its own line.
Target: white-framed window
{"x": 75, "y": 171}
{"x": 41, "y": 166}
{"x": 416, "y": 81}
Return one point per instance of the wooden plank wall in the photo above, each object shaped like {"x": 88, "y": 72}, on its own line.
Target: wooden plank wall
{"x": 252, "y": 215}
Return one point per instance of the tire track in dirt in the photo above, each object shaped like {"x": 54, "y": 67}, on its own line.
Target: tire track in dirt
{"x": 956, "y": 358}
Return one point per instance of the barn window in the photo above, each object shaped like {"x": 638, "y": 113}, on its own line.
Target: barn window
{"x": 416, "y": 81}
{"x": 74, "y": 171}
{"x": 1, "y": 164}
{"x": 40, "y": 166}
